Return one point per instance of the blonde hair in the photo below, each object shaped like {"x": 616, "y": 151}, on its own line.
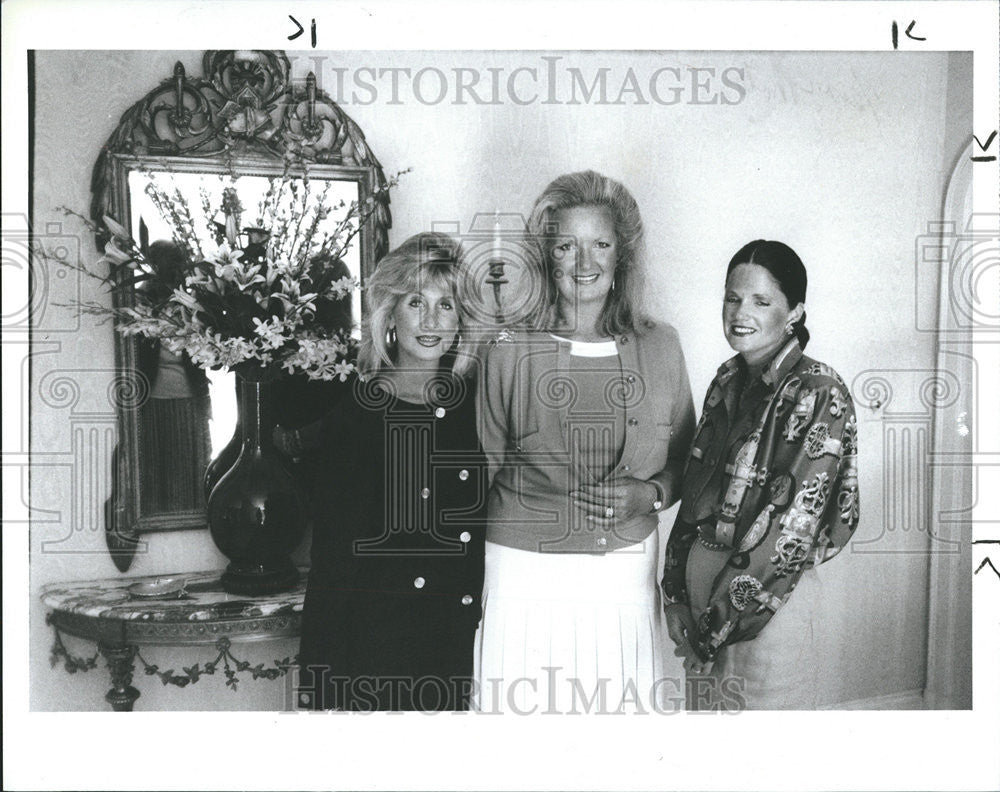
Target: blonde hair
{"x": 622, "y": 311}
{"x": 430, "y": 257}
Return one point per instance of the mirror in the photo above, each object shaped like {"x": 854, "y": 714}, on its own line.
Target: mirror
{"x": 244, "y": 127}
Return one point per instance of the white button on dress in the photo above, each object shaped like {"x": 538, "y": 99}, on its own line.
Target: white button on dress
{"x": 418, "y": 582}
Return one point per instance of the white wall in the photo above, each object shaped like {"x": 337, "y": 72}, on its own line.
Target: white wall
{"x": 841, "y": 156}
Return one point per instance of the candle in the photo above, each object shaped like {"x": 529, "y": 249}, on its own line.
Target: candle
{"x": 496, "y": 234}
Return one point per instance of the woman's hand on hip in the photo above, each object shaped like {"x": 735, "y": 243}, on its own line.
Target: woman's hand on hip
{"x": 613, "y": 501}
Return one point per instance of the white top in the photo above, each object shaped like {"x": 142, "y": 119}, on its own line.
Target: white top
{"x": 171, "y": 379}
{"x": 589, "y": 348}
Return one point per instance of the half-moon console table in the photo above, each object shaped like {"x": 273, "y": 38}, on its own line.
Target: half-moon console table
{"x": 184, "y": 609}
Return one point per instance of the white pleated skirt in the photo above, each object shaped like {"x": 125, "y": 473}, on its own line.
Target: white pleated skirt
{"x": 574, "y": 634}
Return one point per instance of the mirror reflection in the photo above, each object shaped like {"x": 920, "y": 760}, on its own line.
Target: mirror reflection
{"x": 190, "y": 415}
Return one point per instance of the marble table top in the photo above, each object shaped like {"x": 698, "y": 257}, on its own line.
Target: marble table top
{"x": 182, "y": 597}
{"x": 123, "y": 614}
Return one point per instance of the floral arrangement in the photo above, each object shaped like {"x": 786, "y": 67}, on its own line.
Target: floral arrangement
{"x": 273, "y": 294}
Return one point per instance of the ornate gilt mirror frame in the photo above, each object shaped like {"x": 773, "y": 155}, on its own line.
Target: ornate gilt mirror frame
{"x": 245, "y": 117}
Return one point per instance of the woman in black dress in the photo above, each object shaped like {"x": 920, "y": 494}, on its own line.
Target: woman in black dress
{"x": 393, "y": 598}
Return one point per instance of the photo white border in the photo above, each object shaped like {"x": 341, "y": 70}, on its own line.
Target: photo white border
{"x": 798, "y": 751}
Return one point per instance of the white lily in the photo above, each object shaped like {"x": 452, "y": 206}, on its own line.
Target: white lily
{"x": 224, "y": 259}
{"x": 343, "y": 287}
{"x": 245, "y": 278}
{"x": 115, "y": 254}
{"x": 116, "y": 229}
{"x": 187, "y": 300}
{"x": 271, "y": 332}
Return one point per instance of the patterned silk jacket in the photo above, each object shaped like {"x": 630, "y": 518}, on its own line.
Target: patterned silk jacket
{"x": 772, "y": 476}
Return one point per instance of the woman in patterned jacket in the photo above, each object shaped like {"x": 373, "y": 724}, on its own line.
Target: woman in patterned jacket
{"x": 769, "y": 493}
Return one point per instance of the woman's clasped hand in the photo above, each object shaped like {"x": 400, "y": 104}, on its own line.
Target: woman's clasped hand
{"x": 620, "y": 499}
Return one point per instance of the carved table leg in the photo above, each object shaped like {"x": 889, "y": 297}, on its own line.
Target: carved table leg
{"x": 122, "y": 695}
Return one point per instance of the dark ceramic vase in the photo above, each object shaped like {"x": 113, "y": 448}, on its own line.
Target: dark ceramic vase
{"x": 256, "y": 512}
{"x": 227, "y": 457}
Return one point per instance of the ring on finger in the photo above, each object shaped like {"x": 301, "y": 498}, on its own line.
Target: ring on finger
{"x": 609, "y": 512}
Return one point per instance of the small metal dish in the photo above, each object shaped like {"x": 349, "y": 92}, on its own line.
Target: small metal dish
{"x": 159, "y": 588}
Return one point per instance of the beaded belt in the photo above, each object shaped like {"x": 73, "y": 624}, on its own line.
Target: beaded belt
{"x": 710, "y": 536}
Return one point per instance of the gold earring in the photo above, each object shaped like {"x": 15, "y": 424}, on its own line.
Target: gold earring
{"x": 390, "y": 337}
{"x": 789, "y": 329}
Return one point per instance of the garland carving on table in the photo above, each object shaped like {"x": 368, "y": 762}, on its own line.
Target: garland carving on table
{"x": 232, "y": 666}
{"x": 59, "y": 652}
